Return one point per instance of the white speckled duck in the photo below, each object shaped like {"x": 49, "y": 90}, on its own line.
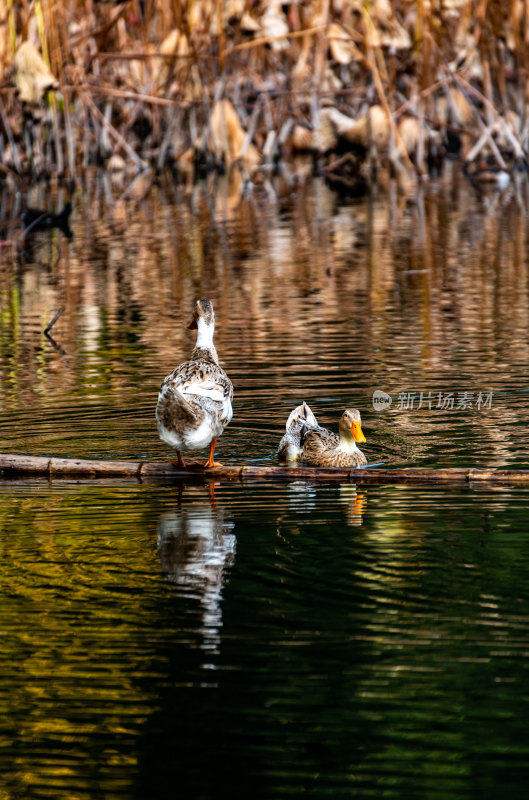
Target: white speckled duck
{"x": 305, "y": 441}
{"x": 194, "y": 404}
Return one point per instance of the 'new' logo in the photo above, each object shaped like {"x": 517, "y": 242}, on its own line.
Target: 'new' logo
{"x": 381, "y": 400}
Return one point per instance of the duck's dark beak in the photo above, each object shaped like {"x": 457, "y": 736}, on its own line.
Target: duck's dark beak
{"x": 192, "y": 325}
{"x": 358, "y": 434}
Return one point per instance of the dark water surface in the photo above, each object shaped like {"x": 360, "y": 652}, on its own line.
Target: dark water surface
{"x": 265, "y": 641}
{"x": 268, "y": 640}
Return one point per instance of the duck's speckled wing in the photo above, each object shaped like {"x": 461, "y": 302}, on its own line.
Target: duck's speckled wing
{"x": 318, "y": 443}
{"x": 202, "y": 379}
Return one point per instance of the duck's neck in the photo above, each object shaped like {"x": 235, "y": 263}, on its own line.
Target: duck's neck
{"x": 204, "y": 347}
{"x": 347, "y": 442}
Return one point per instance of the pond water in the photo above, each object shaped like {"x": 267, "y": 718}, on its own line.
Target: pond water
{"x": 267, "y": 640}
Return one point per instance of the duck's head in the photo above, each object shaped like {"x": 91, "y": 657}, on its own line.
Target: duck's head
{"x": 351, "y": 425}
{"x": 203, "y": 315}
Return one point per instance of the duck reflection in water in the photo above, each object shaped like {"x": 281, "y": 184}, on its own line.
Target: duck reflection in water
{"x": 196, "y": 547}
{"x": 303, "y": 497}
{"x": 355, "y": 503}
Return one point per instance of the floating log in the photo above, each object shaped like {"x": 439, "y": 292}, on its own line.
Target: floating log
{"x": 15, "y": 465}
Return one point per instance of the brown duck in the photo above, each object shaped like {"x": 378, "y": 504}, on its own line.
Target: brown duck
{"x": 305, "y": 441}
{"x": 194, "y": 404}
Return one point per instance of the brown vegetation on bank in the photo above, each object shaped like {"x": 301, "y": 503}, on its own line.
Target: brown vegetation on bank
{"x": 209, "y": 84}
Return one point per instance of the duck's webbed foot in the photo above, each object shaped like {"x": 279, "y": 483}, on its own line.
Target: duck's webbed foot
{"x": 211, "y": 461}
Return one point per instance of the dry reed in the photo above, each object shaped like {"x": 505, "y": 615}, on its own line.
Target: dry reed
{"x": 211, "y": 82}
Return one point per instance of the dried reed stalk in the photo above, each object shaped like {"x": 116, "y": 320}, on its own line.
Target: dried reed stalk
{"x": 111, "y": 131}
{"x": 10, "y": 137}
{"x": 371, "y": 61}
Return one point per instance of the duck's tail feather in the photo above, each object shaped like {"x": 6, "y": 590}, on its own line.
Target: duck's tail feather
{"x": 301, "y": 415}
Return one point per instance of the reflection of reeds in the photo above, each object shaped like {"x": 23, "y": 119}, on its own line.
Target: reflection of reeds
{"x": 313, "y": 300}
{"x": 441, "y": 73}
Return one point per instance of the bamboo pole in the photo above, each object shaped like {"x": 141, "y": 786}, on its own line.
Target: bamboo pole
{"x": 16, "y": 465}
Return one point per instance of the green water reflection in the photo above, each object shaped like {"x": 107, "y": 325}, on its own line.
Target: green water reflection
{"x": 264, "y": 641}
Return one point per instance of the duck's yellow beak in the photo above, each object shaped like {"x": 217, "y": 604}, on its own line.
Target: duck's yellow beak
{"x": 192, "y": 325}
{"x": 358, "y": 434}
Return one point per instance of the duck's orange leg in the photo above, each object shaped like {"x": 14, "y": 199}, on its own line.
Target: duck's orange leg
{"x": 180, "y": 464}
{"x": 211, "y": 461}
